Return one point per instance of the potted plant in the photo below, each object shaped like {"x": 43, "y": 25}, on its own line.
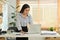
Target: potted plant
{"x": 13, "y": 23}
{"x": 51, "y": 29}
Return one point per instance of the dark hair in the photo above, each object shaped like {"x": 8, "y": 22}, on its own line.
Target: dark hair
{"x": 24, "y": 7}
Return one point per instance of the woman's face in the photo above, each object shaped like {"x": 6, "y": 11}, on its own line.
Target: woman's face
{"x": 26, "y": 11}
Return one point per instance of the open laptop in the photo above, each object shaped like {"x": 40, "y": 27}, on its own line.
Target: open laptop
{"x": 35, "y": 29}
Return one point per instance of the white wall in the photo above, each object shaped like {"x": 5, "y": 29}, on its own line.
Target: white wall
{"x": 49, "y": 13}
{"x": 47, "y": 1}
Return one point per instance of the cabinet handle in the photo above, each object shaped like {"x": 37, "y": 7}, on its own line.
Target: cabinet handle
{"x": 54, "y": 37}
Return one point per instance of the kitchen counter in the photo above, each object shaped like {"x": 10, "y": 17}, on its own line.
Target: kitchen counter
{"x": 20, "y": 35}
{"x": 27, "y": 35}
{"x": 45, "y": 32}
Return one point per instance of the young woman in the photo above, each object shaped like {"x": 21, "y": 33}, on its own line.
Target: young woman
{"x": 23, "y": 19}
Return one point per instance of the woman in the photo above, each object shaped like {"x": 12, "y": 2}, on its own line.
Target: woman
{"x": 23, "y": 19}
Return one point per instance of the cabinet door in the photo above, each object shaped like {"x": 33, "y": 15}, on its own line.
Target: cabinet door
{"x": 52, "y": 38}
{"x": 57, "y": 38}
{"x": 2, "y": 38}
{"x": 47, "y": 38}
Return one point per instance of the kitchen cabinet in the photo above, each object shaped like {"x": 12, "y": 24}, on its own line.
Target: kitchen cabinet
{"x": 2, "y": 38}
{"x": 52, "y": 38}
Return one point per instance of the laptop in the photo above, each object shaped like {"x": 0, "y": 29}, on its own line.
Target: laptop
{"x": 35, "y": 29}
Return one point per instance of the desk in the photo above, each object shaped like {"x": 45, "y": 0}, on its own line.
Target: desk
{"x": 24, "y": 35}
{"x": 28, "y": 35}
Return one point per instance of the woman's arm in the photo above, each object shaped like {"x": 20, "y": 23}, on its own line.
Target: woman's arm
{"x": 30, "y": 20}
{"x": 18, "y": 22}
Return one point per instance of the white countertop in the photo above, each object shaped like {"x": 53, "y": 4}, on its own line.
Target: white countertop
{"x": 28, "y": 35}
{"x": 49, "y": 33}
{"x": 19, "y": 35}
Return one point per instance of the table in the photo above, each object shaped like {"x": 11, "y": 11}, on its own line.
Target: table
{"x": 28, "y": 35}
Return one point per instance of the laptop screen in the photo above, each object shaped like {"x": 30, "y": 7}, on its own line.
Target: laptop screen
{"x": 35, "y": 29}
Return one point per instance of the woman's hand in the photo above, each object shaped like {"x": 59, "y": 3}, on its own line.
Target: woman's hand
{"x": 28, "y": 26}
{"x": 23, "y": 32}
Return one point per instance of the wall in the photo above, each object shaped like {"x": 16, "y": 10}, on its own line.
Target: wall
{"x": 48, "y": 9}
{"x": 58, "y": 12}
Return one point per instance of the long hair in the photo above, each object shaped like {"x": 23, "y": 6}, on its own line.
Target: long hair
{"x": 24, "y": 7}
